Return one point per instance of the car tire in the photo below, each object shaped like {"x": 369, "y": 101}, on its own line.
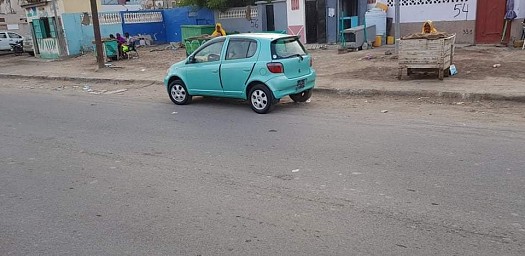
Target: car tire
{"x": 179, "y": 93}
{"x": 261, "y": 99}
{"x": 302, "y": 96}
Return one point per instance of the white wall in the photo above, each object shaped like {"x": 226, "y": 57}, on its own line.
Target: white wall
{"x": 451, "y": 11}
{"x": 296, "y": 19}
{"x": 118, "y": 8}
{"x": 519, "y": 8}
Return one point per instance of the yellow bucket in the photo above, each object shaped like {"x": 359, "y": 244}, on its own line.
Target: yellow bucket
{"x": 378, "y": 41}
{"x": 390, "y": 40}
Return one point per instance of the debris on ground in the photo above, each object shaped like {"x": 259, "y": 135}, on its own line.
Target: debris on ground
{"x": 367, "y": 57}
{"x": 296, "y": 170}
{"x": 496, "y": 65}
{"x": 116, "y": 91}
{"x": 384, "y": 111}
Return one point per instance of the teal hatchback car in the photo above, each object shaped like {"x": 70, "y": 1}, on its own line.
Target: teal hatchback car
{"x": 260, "y": 68}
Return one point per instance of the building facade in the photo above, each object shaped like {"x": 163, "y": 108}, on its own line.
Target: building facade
{"x": 473, "y": 21}
{"x": 13, "y": 17}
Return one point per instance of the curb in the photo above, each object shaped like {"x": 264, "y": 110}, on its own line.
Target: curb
{"x": 82, "y": 79}
{"x": 423, "y": 93}
{"x": 348, "y": 92}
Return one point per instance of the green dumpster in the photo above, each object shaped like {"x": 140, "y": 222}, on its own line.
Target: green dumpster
{"x": 192, "y": 43}
{"x": 111, "y": 48}
{"x": 188, "y": 31}
{"x": 274, "y": 32}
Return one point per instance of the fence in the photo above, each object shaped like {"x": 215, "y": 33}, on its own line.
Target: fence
{"x": 241, "y": 19}
{"x": 242, "y": 12}
{"x": 161, "y": 25}
{"x": 145, "y": 23}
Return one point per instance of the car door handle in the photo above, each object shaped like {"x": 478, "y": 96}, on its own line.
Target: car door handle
{"x": 215, "y": 71}
{"x": 247, "y": 70}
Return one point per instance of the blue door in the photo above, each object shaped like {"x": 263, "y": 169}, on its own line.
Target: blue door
{"x": 202, "y": 76}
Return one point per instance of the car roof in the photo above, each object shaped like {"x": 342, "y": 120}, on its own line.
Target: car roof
{"x": 267, "y": 36}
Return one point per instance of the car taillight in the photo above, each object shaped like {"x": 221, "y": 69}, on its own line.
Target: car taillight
{"x": 275, "y": 67}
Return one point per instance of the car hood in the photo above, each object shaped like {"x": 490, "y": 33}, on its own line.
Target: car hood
{"x": 178, "y": 64}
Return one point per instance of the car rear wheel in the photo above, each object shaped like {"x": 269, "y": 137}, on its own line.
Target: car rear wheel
{"x": 179, "y": 93}
{"x": 261, "y": 99}
{"x": 302, "y": 96}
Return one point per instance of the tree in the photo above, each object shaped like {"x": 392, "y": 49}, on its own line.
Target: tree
{"x": 220, "y": 5}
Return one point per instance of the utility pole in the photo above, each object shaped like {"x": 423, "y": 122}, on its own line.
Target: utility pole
{"x": 96, "y": 31}
{"x": 58, "y": 30}
{"x": 397, "y": 26}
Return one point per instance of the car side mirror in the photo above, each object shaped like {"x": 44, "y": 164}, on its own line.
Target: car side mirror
{"x": 191, "y": 59}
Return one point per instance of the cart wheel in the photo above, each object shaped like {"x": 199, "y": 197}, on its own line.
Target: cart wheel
{"x": 441, "y": 74}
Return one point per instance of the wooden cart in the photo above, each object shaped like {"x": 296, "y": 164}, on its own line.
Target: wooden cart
{"x": 426, "y": 54}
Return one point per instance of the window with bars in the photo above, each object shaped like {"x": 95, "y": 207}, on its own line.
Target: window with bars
{"x": 423, "y": 2}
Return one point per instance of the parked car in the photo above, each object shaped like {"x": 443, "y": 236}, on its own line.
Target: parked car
{"x": 28, "y": 46}
{"x": 7, "y": 38}
{"x": 260, "y": 68}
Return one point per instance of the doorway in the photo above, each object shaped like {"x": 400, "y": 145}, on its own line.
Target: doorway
{"x": 315, "y": 21}
{"x": 270, "y": 19}
{"x": 489, "y": 21}
{"x": 311, "y": 21}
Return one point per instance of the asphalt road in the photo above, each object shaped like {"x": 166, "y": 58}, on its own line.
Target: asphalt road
{"x": 111, "y": 175}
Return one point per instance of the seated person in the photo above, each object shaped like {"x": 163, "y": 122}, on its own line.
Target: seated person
{"x": 121, "y": 41}
{"x": 219, "y": 31}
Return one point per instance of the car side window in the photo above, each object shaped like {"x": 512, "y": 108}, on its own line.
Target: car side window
{"x": 241, "y": 49}
{"x": 252, "y": 49}
{"x": 13, "y": 35}
{"x": 3, "y": 35}
{"x": 209, "y": 53}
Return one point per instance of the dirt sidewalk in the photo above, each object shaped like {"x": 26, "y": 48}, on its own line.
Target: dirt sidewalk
{"x": 365, "y": 73}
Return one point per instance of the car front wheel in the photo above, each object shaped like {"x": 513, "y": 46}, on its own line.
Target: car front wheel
{"x": 302, "y": 96}
{"x": 179, "y": 93}
{"x": 261, "y": 99}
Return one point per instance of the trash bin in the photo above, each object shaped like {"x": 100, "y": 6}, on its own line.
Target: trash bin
{"x": 355, "y": 37}
{"x": 273, "y": 32}
{"x": 188, "y": 31}
{"x": 192, "y": 43}
{"x": 111, "y": 48}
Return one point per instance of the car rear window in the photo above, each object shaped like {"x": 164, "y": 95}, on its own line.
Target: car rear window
{"x": 286, "y": 48}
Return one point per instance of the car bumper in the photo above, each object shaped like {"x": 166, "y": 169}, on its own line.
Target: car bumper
{"x": 166, "y": 80}
{"x": 282, "y": 86}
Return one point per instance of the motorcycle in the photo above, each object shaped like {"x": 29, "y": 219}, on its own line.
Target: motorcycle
{"x": 17, "y": 47}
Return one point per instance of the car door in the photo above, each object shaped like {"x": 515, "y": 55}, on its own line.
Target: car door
{"x": 4, "y": 41}
{"x": 14, "y": 37}
{"x": 202, "y": 72}
{"x": 238, "y": 65}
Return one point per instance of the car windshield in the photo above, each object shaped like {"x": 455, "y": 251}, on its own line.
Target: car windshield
{"x": 286, "y": 48}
